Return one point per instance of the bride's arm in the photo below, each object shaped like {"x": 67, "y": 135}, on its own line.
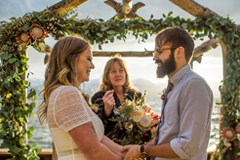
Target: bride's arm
{"x": 88, "y": 143}
{"x": 114, "y": 147}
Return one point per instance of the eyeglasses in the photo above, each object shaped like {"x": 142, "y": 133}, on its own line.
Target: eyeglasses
{"x": 159, "y": 51}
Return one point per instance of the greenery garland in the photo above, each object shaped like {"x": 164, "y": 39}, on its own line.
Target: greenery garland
{"x": 18, "y": 34}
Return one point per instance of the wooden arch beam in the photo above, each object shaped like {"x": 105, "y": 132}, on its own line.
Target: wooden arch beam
{"x": 63, "y": 5}
{"x": 58, "y": 8}
{"x": 193, "y": 8}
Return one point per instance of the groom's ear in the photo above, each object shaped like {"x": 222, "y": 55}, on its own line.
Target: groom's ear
{"x": 180, "y": 52}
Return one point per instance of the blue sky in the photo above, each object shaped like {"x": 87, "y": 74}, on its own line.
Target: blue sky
{"x": 210, "y": 68}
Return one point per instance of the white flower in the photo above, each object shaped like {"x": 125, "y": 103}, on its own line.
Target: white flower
{"x": 145, "y": 121}
{"x": 138, "y": 115}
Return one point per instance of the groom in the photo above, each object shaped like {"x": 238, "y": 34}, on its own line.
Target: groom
{"x": 184, "y": 129}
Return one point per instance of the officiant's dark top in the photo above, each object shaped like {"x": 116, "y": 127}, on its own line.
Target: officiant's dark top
{"x": 108, "y": 124}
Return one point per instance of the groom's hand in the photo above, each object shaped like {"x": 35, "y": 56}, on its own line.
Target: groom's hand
{"x": 133, "y": 152}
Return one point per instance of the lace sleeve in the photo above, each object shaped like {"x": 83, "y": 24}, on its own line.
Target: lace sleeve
{"x": 70, "y": 109}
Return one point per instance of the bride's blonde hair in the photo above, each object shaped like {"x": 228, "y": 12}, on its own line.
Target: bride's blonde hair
{"x": 61, "y": 69}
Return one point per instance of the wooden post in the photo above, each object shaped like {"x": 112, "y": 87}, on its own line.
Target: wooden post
{"x": 224, "y": 87}
{"x": 24, "y": 78}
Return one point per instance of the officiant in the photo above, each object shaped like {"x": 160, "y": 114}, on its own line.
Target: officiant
{"x": 115, "y": 87}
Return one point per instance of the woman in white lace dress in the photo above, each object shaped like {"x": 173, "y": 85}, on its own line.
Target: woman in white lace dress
{"x": 77, "y": 132}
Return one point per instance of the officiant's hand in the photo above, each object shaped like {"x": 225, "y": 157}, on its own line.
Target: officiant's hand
{"x": 133, "y": 152}
{"x": 108, "y": 101}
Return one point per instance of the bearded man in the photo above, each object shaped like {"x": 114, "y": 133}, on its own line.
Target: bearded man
{"x": 184, "y": 129}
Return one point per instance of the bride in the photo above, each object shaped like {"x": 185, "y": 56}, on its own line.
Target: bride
{"x": 76, "y": 130}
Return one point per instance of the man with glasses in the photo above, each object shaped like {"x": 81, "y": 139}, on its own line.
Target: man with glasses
{"x": 184, "y": 129}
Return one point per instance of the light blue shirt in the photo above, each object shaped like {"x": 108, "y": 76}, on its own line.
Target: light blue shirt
{"x": 187, "y": 116}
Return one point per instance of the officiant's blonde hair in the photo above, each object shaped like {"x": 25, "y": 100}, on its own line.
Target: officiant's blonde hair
{"x": 105, "y": 82}
{"x": 61, "y": 69}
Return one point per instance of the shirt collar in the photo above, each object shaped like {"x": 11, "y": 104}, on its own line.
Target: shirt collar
{"x": 179, "y": 74}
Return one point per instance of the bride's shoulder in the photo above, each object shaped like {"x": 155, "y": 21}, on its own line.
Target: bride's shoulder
{"x": 67, "y": 90}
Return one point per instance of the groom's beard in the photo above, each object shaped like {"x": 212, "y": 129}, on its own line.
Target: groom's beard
{"x": 167, "y": 67}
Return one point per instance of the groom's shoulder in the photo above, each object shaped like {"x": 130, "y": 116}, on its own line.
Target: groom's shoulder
{"x": 192, "y": 78}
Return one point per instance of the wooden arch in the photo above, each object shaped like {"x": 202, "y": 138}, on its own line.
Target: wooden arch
{"x": 130, "y": 11}
{"x": 126, "y": 9}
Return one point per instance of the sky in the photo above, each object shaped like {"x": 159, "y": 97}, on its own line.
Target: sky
{"x": 210, "y": 68}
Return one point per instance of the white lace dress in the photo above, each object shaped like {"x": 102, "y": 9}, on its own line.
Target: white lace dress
{"x": 68, "y": 109}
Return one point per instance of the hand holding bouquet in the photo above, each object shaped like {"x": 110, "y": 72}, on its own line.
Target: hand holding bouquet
{"x": 138, "y": 119}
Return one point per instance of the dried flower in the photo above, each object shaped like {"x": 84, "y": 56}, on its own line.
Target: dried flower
{"x": 237, "y": 129}
{"x": 145, "y": 121}
{"x": 228, "y": 134}
{"x": 11, "y": 49}
{"x": 23, "y": 38}
{"x": 37, "y": 32}
{"x": 128, "y": 127}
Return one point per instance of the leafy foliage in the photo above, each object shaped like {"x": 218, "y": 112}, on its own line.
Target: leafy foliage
{"x": 15, "y": 110}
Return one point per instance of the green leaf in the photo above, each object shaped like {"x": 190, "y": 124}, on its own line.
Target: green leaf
{"x": 9, "y": 42}
{"x": 151, "y": 16}
{"x": 100, "y": 47}
{"x": 19, "y": 114}
{"x": 1, "y": 135}
{"x": 184, "y": 25}
{"x": 111, "y": 32}
{"x": 15, "y": 149}
{"x": 12, "y": 60}
{"x": 31, "y": 114}
{"x": 104, "y": 29}
{"x": 99, "y": 35}
{"x": 101, "y": 20}
{"x": 25, "y": 28}
{"x": 6, "y": 114}
{"x": 173, "y": 24}
{"x": 39, "y": 149}
{"x": 34, "y": 144}
{"x": 5, "y": 47}
{"x": 73, "y": 23}
{"x": 31, "y": 129}
{"x": 30, "y": 135}
{"x": 116, "y": 18}
{"x": 170, "y": 13}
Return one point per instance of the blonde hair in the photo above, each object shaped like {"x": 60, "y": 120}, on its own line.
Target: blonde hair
{"x": 61, "y": 69}
{"x": 105, "y": 82}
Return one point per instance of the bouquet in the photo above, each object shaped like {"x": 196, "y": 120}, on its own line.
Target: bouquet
{"x": 137, "y": 119}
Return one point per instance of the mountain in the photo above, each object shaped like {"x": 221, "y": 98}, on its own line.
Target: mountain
{"x": 153, "y": 90}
